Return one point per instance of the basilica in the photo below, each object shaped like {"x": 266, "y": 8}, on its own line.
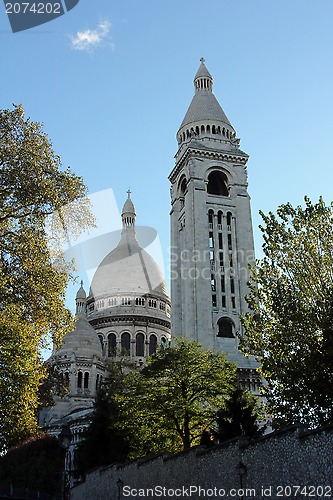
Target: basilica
{"x": 127, "y": 313}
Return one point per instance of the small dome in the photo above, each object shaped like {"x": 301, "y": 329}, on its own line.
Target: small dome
{"x": 128, "y": 207}
{"x": 203, "y": 71}
{"x": 83, "y": 341}
{"x": 81, "y": 294}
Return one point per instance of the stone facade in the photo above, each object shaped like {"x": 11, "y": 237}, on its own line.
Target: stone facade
{"x": 211, "y": 228}
{"x": 126, "y": 316}
{"x": 128, "y": 304}
{"x": 273, "y": 466}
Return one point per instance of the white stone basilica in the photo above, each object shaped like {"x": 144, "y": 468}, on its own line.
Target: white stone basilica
{"x": 126, "y": 316}
{"x": 127, "y": 312}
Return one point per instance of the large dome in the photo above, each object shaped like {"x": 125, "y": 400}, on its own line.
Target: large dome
{"x": 128, "y": 269}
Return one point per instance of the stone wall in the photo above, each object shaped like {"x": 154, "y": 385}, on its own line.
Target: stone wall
{"x": 293, "y": 463}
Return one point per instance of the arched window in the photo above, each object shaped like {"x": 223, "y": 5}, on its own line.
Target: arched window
{"x": 217, "y": 184}
{"x": 164, "y": 343}
{"x": 97, "y": 382}
{"x": 86, "y": 380}
{"x": 140, "y": 345}
{"x": 202, "y": 129}
{"x": 125, "y": 343}
{"x": 112, "y": 344}
{"x": 219, "y": 217}
{"x": 182, "y": 187}
{"x": 229, "y": 218}
{"x": 152, "y": 344}
{"x": 79, "y": 380}
{"x": 225, "y": 328}
{"x": 210, "y": 218}
{"x": 101, "y": 339}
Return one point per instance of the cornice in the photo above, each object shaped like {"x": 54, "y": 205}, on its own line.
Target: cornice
{"x": 137, "y": 320}
{"x": 240, "y": 157}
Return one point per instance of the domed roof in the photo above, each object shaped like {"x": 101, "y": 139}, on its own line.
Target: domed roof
{"x": 83, "y": 341}
{"x": 128, "y": 269}
{"x": 203, "y": 71}
{"x": 81, "y": 294}
{"x": 204, "y": 105}
{"x": 128, "y": 205}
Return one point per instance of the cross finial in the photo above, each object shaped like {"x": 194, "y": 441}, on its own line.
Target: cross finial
{"x": 81, "y": 283}
{"x": 202, "y": 60}
{"x": 129, "y": 193}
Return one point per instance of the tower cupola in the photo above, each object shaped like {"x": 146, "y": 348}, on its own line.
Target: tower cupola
{"x": 81, "y": 302}
{"x": 205, "y": 118}
{"x": 203, "y": 80}
{"x": 128, "y": 214}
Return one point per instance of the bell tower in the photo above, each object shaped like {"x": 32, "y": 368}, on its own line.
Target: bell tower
{"x": 211, "y": 227}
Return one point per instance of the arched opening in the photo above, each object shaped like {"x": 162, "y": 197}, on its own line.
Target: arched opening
{"x": 140, "y": 345}
{"x": 225, "y": 328}
{"x": 217, "y": 184}
{"x": 164, "y": 343}
{"x": 210, "y": 218}
{"x": 112, "y": 344}
{"x": 86, "y": 380}
{"x": 182, "y": 186}
{"x": 125, "y": 344}
{"x": 101, "y": 339}
{"x": 152, "y": 344}
{"x": 229, "y": 218}
{"x": 79, "y": 380}
{"x": 202, "y": 129}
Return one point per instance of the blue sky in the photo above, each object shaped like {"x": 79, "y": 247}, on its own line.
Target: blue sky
{"x": 112, "y": 80}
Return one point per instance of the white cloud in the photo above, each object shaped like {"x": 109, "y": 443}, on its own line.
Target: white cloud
{"x": 89, "y": 39}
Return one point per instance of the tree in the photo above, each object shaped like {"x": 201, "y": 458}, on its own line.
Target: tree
{"x": 33, "y": 276}
{"x": 171, "y": 401}
{"x": 104, "y": 442}
{"x": 290, "y": 326}
{"x": 239, "y": 417}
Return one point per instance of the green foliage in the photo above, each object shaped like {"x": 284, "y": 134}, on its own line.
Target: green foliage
{"x": 104, "y": 443}
{"x": 33, "y": 277}
{"x": 290, "y": 327}
{"x": 53, "y": 384}
{"x": 37, "y": 464}
{"x": 239, "y": 417}
{"x": 171, "y": 401}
